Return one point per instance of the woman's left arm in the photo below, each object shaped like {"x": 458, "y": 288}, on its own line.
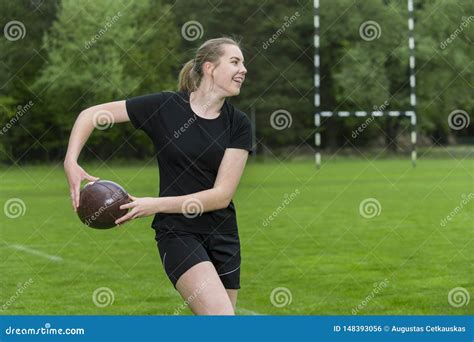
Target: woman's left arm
{"x": 228, "y": 177}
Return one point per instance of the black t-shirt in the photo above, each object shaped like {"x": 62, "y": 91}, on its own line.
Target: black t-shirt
{"x": 189, "y": 150}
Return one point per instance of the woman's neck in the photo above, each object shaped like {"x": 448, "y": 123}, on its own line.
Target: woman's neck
{"x": 206, "y": 104}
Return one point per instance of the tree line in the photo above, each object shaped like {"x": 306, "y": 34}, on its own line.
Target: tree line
{"x": 62, "y": 56}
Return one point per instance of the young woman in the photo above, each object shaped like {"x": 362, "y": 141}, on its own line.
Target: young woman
{"x": 202, "y": 143}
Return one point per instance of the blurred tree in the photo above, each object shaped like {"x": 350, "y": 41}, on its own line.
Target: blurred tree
{"x": 105, "y": 50}
{"x": 101, "y": 51}
{"x": 24, "y": 23}
{"x": 276, "y": 38}
{"x": 445, "y": 75}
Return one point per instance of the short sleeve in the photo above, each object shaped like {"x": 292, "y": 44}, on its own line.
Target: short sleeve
{"x": 143, "y": 111}
{"x": 241, "y": 134}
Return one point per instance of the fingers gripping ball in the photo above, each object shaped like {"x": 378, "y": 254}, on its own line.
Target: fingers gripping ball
{"x": 99, "y": 204}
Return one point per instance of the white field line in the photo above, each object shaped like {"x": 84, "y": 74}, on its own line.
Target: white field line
{"x": 56, "y": 258}
{"x": 32, "y": 251}
{"x": 246, "y": 312}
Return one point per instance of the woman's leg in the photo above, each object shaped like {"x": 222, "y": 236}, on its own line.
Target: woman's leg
{"x": 224, "y": 252}
{"x": 202, "y": 288}
{"x": 232, "y": 296}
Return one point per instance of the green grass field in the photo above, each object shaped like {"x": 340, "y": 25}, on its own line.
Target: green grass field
{"x": 319, "y": 247}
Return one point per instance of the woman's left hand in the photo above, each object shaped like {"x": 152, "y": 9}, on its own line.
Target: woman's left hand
{"x": 140, "y": 207}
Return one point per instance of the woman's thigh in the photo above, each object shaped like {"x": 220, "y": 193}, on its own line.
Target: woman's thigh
{"x": 202, "y": 288}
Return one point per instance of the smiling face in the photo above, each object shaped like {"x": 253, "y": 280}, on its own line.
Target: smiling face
{"x": 229, "y": 74}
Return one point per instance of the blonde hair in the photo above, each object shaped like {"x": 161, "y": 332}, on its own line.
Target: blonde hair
{"x": 211, "y": 50}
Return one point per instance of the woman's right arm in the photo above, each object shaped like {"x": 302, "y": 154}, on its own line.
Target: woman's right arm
{"x": 82, "y": 129}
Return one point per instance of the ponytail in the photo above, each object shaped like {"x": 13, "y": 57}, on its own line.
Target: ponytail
{"x": 188, "y": 78}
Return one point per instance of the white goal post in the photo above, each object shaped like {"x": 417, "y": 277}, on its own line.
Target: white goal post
{"x": 319, "y": 114}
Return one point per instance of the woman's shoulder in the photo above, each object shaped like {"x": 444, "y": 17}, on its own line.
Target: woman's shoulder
{"x": 237, "y": 118}
{"x": 164, "y": 98}
{"x": 171, "y": 94}
{"x": 237, "y": 115}
{"x": 166, "y": 94}
{"x": 159, "y": 96}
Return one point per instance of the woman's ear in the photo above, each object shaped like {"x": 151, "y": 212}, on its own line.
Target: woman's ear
{"x": 208, "y": 68}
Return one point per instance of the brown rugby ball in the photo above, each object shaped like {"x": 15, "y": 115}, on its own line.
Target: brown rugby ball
{"x": 99, "y": 204}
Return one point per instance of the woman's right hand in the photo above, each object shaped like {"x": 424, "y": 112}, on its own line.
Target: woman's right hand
{"x": 75, "y": 174}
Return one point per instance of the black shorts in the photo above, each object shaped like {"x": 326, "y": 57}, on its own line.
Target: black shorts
{"x": 179, "y": 251}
